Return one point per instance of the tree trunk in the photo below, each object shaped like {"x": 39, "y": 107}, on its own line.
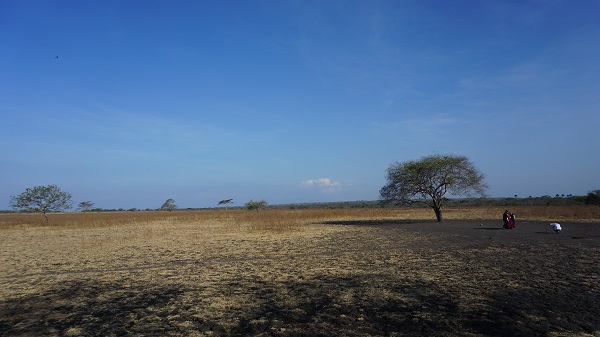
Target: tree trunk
{"x": 438, "y": 213}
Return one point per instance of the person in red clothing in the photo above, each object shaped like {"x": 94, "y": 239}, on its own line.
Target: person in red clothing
{"x": 509, "y": 220}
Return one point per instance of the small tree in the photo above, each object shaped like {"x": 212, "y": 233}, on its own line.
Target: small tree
{"x": 256, "y": 205}
{"x": 85, "y": 206}
{"x": 226, "y": 202}
{"x": 169, "y": 205}
{"x": 429, "y": 179}
{"x": 42, "y": 199}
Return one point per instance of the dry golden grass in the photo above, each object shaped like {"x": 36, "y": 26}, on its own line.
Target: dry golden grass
{"x": 285, "y": 220}
{"x": 295, "y": 272}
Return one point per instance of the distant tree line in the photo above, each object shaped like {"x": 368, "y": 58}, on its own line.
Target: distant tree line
{"x": 48, "y": 199}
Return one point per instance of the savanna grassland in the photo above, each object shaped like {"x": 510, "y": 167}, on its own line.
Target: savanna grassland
{"x": 343, "y": 272}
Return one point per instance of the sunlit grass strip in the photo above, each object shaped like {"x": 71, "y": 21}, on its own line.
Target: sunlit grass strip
{"x": 281, "y": 220}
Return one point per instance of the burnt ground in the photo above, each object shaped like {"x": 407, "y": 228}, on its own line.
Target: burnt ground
{"x": 371, "y": 278}
{"x": 473, "y": 233}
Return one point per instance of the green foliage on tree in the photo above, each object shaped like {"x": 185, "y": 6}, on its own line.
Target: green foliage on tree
{"x": 169, "y": 205}
{"x": 226, "y": 202}
{"x": 256, "y": 205}
{"x": 85, "y": 206}
{"x": 593, "y": 198}
{"x": 429, "y": 179}
{"x": 42, "y": 199}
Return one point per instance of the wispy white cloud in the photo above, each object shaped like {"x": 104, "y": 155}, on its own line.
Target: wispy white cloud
{"x": 323, "y": 184}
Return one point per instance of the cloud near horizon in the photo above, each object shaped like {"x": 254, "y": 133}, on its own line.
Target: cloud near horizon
{"x": 324, "y": 184}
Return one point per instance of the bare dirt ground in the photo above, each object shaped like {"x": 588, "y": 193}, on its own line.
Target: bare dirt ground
{"x": 340, "y": 278}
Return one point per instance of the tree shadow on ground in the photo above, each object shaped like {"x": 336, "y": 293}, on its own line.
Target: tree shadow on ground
{"x": 362, "y": 305}
{"x": 557, "y": 309}
{"x": 382, "y": 222}
{"x": 349, "y": 306}
{"x": 417, "y": 308}
{"x": 88, "y": 308}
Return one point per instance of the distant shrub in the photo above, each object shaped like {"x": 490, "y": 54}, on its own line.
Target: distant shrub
{"x": 256, "y": 205}
{"x": 593, "y": 198}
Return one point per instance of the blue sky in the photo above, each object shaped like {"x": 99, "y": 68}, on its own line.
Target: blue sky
{"x": 128, "y": 103}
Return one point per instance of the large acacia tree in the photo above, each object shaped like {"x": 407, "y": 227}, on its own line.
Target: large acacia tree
{"x": 42, "y": 199}
{"x": 430, "y": 178}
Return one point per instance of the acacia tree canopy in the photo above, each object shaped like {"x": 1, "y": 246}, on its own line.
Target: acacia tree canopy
{"x": 169, "y": 205}
{"x": 430, "y": 178}
{"x": 226, "y": 202}
{"x": 42, "y": 199}
{"x": 256, "y": 205}
{"x": 85, "y": 206}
